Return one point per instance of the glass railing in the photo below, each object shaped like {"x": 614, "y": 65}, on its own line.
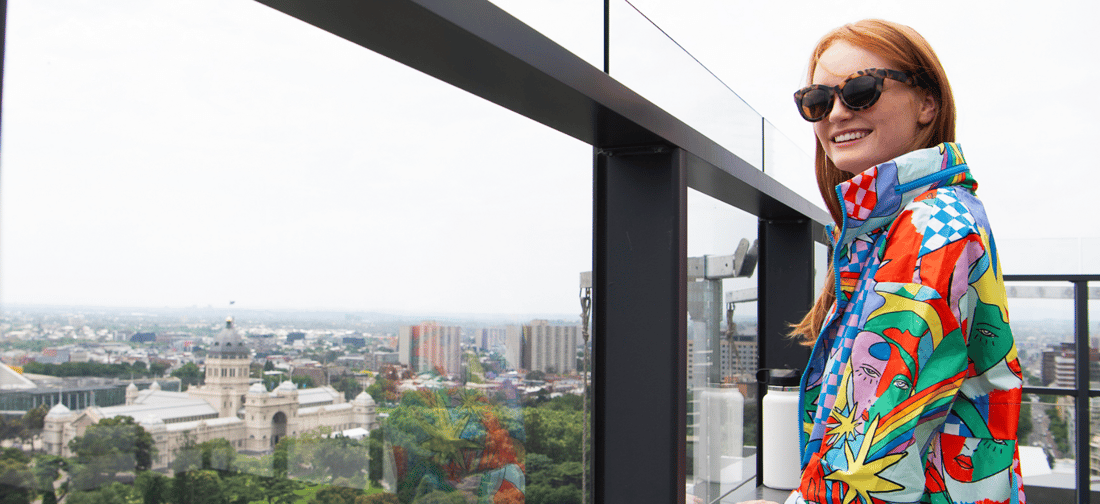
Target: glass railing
{"x": 722, "y": 348}
{"x": 401, "y": 269}
{"x": 1054, "y": 331}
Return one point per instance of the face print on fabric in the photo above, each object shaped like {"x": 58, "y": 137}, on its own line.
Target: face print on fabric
{"x": 970, "y": 459}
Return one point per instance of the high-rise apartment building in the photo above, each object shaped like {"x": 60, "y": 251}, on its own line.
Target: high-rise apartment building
{"x": 430, "y": 346}
{"x": 542, "y": 346}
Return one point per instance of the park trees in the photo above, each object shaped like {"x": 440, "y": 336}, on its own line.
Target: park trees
{"x": 189, "y": 374}
{"x": 109, "y": 447}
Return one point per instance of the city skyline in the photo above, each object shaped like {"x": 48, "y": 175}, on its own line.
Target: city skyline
{"x": 234, "y": 153}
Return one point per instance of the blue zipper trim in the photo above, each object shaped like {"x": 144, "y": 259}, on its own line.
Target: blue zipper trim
{"x": 928, "y": 179}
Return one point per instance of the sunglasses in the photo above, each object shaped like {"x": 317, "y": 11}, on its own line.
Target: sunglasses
{"x": 859, "y": 91}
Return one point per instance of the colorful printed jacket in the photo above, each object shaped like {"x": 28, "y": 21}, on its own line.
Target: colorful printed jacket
{"x": 912, "y": 392}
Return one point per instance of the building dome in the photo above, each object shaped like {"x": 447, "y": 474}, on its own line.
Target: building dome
{"x": 228, "y": 344}
{"x": 286, "y": 386}
{"x": 58, "y": 410}
{"x": 257, "y": 388}
{"x": 364, "y": 399}
{"x": 155, "y": 386}
{"x": 131, "y": 387}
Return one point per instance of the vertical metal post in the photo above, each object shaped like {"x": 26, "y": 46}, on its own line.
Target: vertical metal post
{"x": 785, "y": 284}
{"x": 1081, "y": 403}
{"x": 639, "y": 277}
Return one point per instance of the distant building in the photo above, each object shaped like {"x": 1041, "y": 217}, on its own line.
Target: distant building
{"x": 430, "y": 346}
{"x": 295, "y": 336}
{"x": 380, "y": 359}
{"x": 542, "y": 346}
{"x": 143, "y": 337}
{"x": 738, "y": 358}
{"x": 1059, "y": 365}
{"x": 355, "y": 341}
{"x": 226, "y": 407}
{"x": 489, "y": 338}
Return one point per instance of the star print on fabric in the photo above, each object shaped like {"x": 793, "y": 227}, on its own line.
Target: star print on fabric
{"x": 860, "y": 195}
{"x": 950, "y": 221}
{"x": 862, "y": 476}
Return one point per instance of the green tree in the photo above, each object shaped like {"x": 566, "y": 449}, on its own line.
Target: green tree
{"x": 16, "y": 479}
{"x": 157, "y": 369}
{"x": 206, "y": 487}
{"x": 280, "y": 490}
{"x": 378, "y": 389}
{"x": 336, "y": 495}
{"x": 269, "y": 366}
{"x": 303, "y": 381}
{"x": 349, "y": 386}
{"x": 440, "y": 497}
{"x": 535, "y": 376}
{"x": 114, "y": 493}
{"x": 47, "y": 468}
{"x": 554, "y": 433}
{"x": 378, "y": 498}
{"x": 242, "y": 488}
{"x": 189, "y": 374}
{"x": 374, "y": 450}
{"x": 112, "y": 446}
{"x": 153, "y": 488}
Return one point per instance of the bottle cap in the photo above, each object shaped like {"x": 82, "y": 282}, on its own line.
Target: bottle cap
{"x": 779, "y": 377}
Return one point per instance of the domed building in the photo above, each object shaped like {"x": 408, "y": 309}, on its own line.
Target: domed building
{"x": 227, "y": 407}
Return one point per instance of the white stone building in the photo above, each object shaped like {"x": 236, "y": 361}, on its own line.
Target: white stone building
{"x": 226, "y": 407}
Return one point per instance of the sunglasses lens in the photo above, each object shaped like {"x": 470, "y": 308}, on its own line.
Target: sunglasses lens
{"x": 860, "y": 92}
{"x": 815, "y": 104}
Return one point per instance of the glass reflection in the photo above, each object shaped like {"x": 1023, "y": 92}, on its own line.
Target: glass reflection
{"x": 722, "y": 347}
{"x": 711, "y": 107}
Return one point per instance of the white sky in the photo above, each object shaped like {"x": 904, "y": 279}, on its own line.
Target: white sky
{"x": 192, "y": 152}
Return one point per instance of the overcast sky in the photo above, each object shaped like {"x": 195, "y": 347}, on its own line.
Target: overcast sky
{"x": 192, "y": 152}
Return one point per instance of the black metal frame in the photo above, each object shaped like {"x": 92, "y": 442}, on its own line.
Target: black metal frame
{"x": 1081, "y": 392}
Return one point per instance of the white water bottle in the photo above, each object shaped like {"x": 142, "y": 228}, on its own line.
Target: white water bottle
{"x": 720, "y": 433}
{"x": 780, "y": 424}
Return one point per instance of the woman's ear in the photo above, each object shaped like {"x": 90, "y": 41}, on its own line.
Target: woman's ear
{"x": 929, "y": 106}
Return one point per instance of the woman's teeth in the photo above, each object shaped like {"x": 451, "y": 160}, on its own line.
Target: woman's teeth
{"x": 850, "y": 136}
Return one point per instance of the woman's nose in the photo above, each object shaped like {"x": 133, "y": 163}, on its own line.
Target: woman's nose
{"x": 839, "y": 111}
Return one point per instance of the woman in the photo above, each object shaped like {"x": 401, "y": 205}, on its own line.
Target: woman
{"x": 912, "y": 391}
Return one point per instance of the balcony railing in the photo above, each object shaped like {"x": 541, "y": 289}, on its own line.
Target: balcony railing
{"x": 1075, "y": 288}
{"x": 644, "y": 161}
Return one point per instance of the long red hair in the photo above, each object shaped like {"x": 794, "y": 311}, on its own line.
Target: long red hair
{"x": 909, "y": 52}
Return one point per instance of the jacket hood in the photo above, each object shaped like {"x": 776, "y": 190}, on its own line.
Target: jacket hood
{"x": 873, "y": 199}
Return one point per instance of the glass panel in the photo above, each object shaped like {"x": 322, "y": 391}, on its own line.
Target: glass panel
{"x": 576, "y": 25}
{"x": 722, "y": 349}
{"x": 382, "y": 240}
{"x": 712, "y": 108}
{"x": 791, "y": 164}
{"x": 1047, "y": 441}
{"x": 1061, "y": 256}
{"x": 1042, "y": 325}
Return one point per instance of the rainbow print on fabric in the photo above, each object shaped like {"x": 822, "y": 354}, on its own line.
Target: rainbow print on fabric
{"x": 912, "y": 392}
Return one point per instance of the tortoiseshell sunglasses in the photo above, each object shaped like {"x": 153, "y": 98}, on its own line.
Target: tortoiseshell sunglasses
{"x": 859, "y": 91}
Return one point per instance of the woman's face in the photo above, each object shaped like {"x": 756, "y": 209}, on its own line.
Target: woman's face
{"x": 858, "y": 140}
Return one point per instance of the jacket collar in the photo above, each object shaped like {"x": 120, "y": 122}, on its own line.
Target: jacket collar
{"x": 872, "y": 199}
